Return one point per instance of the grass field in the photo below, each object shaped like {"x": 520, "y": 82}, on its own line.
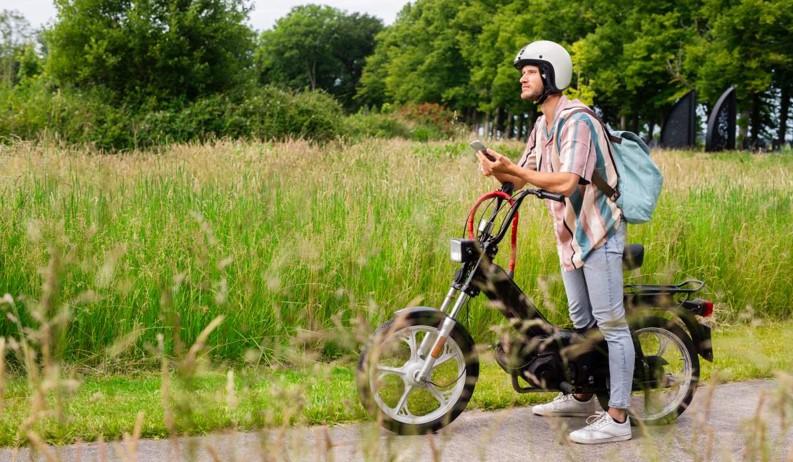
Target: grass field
{"x": 289, "y": 237}
{"x": 276, "y": 261}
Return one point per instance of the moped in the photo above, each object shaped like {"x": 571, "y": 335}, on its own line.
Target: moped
{"x": 419, "y": 369}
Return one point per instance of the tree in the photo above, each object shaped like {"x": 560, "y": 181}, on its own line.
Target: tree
{"x": 318, "y": 47}
{"x": 747, "y": 44}
{"x": 419, "y": 59}
{"x": 16, "y": 47}
{"x": 153, "y": 51}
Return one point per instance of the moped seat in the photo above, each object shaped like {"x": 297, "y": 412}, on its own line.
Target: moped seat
{"x": 632, "y": 256}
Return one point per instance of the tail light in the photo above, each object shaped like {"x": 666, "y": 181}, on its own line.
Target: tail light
{"x": 708, "y": 311}
{"x": 699, "y": 306}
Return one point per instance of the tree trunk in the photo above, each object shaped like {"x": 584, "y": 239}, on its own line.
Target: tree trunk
{"x": 500, "y": 121}
{"x": 312, "y": 75}
{"x": 756, "y": 120}
{"x": 622, "y": 122}
{"x": 743, "y": 129}
{"x": 510, "y": 125}
{"x": 530, "y": 120}
{"x": 784, "y": 109}
{"x": 650, "y": 131}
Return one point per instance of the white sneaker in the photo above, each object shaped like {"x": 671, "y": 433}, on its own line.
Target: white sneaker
{"x": 601, "y": 428}
{"x": 566, "y": 406}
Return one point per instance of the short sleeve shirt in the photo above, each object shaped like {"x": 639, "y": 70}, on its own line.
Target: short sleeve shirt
{"x": 575, "y": 144}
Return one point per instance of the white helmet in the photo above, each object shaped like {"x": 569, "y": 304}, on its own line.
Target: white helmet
{"x": 554, "y": 62}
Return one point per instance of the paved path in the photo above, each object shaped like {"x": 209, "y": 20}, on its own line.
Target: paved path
{"x": 717, "y": 427}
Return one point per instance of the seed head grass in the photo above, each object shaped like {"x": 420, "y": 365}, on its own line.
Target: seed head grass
{"x": 282, "y": 237}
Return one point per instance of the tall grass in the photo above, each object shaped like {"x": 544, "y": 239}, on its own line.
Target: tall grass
{"x": 292, "y": 237}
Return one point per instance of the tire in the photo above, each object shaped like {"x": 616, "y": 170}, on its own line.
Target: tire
{"x": 650, "y": 387}
{"x": 454, "y": 379}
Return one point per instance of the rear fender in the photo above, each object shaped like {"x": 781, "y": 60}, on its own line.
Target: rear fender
{"x": 700, "y": 333}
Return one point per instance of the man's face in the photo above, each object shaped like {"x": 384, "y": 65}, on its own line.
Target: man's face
{"x": 530, "y": 83}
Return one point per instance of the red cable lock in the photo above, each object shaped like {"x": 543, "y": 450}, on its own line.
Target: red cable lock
{"x": 514, "y": 236}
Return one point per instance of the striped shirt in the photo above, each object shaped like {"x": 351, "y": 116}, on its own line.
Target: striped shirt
{"x": 575, "y": 144}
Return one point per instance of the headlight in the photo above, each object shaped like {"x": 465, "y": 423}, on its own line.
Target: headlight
{"x": 463, "y": 250}
{"x": 457, "y": 250}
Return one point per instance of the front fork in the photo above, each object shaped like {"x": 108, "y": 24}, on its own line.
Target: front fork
{"x": 437, "y": 342}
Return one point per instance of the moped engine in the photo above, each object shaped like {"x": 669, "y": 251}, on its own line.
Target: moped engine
{"x": 540, "y": 367}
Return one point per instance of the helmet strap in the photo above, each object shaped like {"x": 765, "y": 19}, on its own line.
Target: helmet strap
{"x": 547, "y": 88}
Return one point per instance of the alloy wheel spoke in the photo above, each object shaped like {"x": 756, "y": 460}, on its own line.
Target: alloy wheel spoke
{"x": 446, "y": 356}
{"x": 664, "y": 341}
{"x": 441, "y": 397}
{"x": 401, "y": 407}
{"x": 410, "y": 339}
{"x": 386, "y": 370}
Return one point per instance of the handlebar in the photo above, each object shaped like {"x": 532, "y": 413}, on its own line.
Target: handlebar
{"x": 505, "y": 195}
{"x": 542, "y": 194}
{"x": 518, "y": 199}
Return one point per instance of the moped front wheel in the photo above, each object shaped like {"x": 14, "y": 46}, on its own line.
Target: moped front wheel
{"x": 388, "y": 373}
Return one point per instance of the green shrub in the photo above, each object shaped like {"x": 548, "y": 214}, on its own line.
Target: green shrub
{"x": 432, "y": 119}
{"x": 373, "y": 125}
{"x": 423, "y": 122}
{"x": 34, "y": 111}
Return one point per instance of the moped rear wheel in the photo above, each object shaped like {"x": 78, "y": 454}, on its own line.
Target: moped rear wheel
{"x": 389, "y": 366}
{"x": 664, "y": 387}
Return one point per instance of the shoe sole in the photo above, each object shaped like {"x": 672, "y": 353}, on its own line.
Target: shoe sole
{"x": 613, "y": 439}
{"x": 562, "y": 414}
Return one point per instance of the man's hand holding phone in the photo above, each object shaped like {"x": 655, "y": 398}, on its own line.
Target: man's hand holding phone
{"x": 479, "y": 147}
{"x": 491, "y": 162}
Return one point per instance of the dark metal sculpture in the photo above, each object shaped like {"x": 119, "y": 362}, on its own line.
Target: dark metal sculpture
{"x": 721, "y": 123}
{"x": 679, "y": 129}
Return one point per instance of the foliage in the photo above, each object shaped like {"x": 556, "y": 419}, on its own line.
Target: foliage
{"x": 747, "y": 44}
{"x": 18, "y": 59}
{"x": 317, "y": 47}
{"x": 33, "y": 111}
{"x": 418, "y": 58}
{"x": 375, "y": 125}
{"x": 151, "y": 52}
{"x": 632, "y": 59}
{"x": 154, "y": 59}
{"x": 419, "y": 122}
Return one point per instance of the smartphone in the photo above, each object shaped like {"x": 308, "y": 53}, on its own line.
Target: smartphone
{"x": 478, "y": 146}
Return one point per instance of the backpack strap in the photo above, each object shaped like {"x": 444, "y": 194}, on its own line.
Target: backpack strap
{"x": 601, "y": 184}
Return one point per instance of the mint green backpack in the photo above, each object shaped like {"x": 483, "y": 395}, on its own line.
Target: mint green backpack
{"x": 640, "y": 180}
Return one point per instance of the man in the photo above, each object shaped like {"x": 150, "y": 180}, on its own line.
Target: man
{"x": 561, "y": 155}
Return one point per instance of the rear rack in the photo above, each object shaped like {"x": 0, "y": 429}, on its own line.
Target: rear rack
{"x": 687, "y": 287}
{"x": 661, "y": 295}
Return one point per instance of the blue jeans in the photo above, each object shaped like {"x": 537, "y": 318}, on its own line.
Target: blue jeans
{"x": 594, "y": 295}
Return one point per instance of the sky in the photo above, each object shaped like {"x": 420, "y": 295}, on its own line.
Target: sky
{"x": 263, "y": 16}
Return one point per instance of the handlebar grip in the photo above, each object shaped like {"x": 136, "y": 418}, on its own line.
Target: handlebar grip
{"x": 542, "y": 194}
